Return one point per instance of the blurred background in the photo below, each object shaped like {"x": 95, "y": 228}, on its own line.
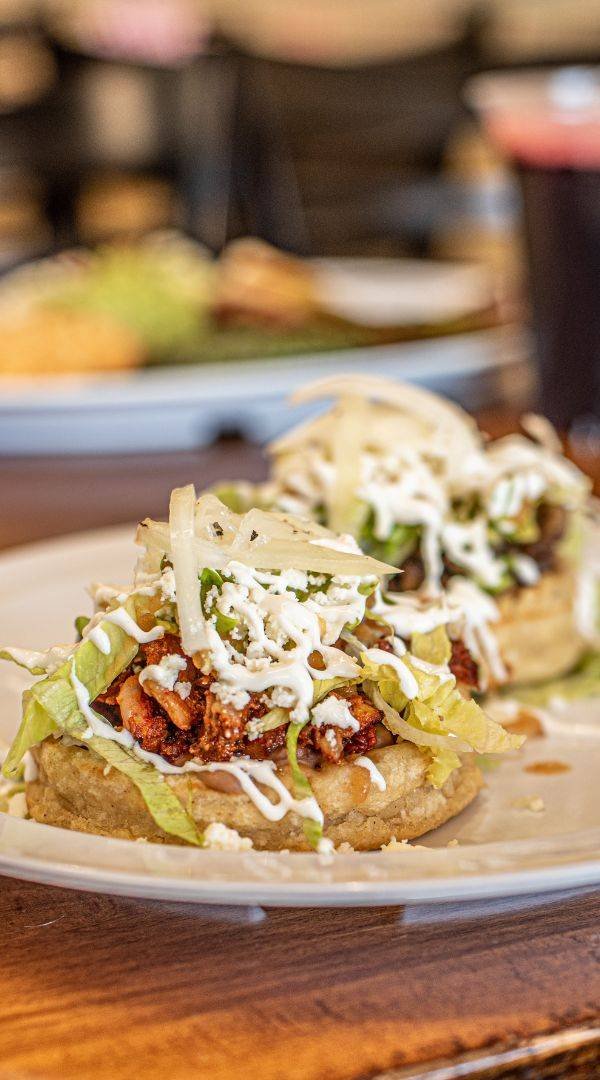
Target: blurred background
{"x": 203, "y": 204}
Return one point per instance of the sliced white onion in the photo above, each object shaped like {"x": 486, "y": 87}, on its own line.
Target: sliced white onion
{"x": 351, "y": 429}
{"x": 439, "y": 413}
{"x": 281, "y": 542}
{"x": 215, "y": 521}
{"x": 185, "y": 566}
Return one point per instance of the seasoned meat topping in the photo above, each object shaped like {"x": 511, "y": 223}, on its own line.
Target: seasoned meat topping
{"x": 463, "y": 666}
{"x": 205, "y": 728}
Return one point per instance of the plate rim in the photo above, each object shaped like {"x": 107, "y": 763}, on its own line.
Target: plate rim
{"x": 351, "y": 893}
{"x": 583, "y": 869}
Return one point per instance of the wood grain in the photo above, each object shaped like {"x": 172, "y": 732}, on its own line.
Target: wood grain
{"x": 113, "y": 989}
{"x": 48, "y": 496}
{"x": 110, "y": 988}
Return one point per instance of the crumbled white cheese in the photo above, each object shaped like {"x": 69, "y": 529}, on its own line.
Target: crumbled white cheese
{"x": 280, "y": 697}
{"x": 230, "y": 695}
{"x": 165, "y": 673}
{"x": 534, "y": 803}
{"x": 218, "y": 837}
{"x": 402, "y": 845}
{"x": 334, "y": 712}
{"x": 183, "y": 689}
{"x": 17, "y": 805}
{"x": 168, "y": 588}
{"x": 331, "y": 739}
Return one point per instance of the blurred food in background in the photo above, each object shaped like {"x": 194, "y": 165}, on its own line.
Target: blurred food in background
{"x": 163, "y": 300}
{"x": 197, "y": 181}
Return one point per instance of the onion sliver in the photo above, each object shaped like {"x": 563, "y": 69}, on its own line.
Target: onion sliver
{"x": 185, "y": 566}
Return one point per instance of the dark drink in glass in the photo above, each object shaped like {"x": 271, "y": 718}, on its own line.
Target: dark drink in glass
{"x": 548, "y": 123}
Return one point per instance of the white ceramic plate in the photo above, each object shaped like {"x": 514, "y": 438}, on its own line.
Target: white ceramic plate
{"x": 502, "y": 851}
{"x": 178, "y": 408}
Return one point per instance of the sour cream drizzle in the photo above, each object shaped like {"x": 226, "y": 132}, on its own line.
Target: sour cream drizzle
{"x": 248, "y": 773}
{"x": 96, "y": 725}
{"x": 121, "y": 617}
{"x": 408, "y": 683}
{"x": 100, "y": 639}
{"x": 412, "y": 473}
{"x": 377, "y": 778}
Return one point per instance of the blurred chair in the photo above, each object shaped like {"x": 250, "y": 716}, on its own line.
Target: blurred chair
{"x": 344, "y": 160}
{"x": 342, "y": 117}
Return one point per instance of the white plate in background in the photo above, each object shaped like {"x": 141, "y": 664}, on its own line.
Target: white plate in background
{"x": 502, "y": 851}
{"x": 186, "y": 406}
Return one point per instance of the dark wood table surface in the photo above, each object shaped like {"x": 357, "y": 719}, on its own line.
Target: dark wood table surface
{"x": 103, "y": 987}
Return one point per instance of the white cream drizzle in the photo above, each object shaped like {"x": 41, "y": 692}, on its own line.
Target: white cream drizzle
{"x": 99, "y": 638}
{"x": 248, "y": 773}
{"x": 282, "y": 633}
{"x": 48, "y": 660}
{"x": 479, "y": 612}
{"x": 377, "y": 778}
{"x": 408, "y": 683}
{"x": 406, "y": 475}
{"x": 120, "y": 617}
{"x": 526, "y": 569}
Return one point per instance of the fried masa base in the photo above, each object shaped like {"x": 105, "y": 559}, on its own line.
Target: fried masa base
{"x": 73, "y": 792}
{"x": 537, "y": 634}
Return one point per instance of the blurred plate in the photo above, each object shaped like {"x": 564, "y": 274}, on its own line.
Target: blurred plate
{"x": 402, "y": 292}
{"x": 177, "y": 408}
{"x": 502, "y": 850}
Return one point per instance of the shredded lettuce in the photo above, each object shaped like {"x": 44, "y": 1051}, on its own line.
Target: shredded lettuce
{"x": 434, "y": 648}
{"x": 269, "y": 722}
{"x": 51, "y": 708}
{"x": 442, "y": 765}
{"x": 323, "y": 687}
{"x": 210, "y": 579}
{"x": 15, "y": 658}
{"x": 45, "y": 707}
{"x": 402, "y": 541}
{"x": 439, "y": 720}
{"x": 164, "y": 806}
{"x": 80, "y": 624}
{"x": 313, "y": 830}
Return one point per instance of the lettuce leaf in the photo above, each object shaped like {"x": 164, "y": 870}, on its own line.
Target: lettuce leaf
{"x": 51, "y": 708}
{"x": 161, "y": 801}
{"x": 313, "y": 830}
{"x": 440, "y": 711}
{"x": 46, "y": 708}
{"x": 467, "y": 720}
{"x": 36, "y": 725}
{"x": 273, "y": 719}
{"x": 442, "y": 765}
{"x": 13, "y": 655}
{"x": 323, "y": 687}
{"x": 434, "y": 648}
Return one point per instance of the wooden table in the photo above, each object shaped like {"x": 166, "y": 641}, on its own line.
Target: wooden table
{"x": 100, "y": 987}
